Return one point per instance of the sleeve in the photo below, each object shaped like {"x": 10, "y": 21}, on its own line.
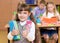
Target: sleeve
{"x": 44, "y": 14}
{"x": 9, "y": 36}
{"x": 34, "y": 11}
{"x": 31, "y": 34}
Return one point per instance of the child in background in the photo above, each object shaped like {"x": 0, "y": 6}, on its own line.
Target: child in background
{"x": 39, "y": 10}
{"x": 27, "y": 34}
{"x": 50, "y": 32}
{"x": 37, "y": 13}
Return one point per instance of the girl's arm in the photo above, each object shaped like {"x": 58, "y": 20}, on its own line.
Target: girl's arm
{"x": 34, "y": 11}
{"x": 9, "y": 36}
{"x": 31, "y": 34}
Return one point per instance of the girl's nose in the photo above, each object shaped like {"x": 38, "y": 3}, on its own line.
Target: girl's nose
{"x": 22, "y": 14}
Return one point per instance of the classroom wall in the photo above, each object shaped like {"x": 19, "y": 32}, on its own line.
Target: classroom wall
{"x": 57, "y": 2}
{"x": 5, "y": 12}
{"x": 7, "y": 7}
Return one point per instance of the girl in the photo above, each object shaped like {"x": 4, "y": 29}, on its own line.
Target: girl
{"x": 50, "y": 32}
{"x": 27, "y": 32}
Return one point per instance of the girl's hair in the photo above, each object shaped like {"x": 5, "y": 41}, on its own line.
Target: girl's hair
{"x": 53, "y": 9}
{"x": 24, "y": 7}
{"x": 42, "y": 2}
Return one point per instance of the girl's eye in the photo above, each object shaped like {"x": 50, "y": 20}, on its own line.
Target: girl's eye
{"x": 25, "y": 13}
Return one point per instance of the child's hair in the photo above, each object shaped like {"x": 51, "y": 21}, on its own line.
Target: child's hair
{"x": 24, "y": 7}
{"x": 42, "y": 1}
{"x": 47, "y": 8}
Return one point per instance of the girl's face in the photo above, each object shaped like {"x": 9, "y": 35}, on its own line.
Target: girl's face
{"x": 50, "y": 7}
{"x": 41, "y": 6}
{"x": 23, "y": 15}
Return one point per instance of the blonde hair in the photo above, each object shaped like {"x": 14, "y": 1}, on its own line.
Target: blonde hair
{"x": 54, "y": 8}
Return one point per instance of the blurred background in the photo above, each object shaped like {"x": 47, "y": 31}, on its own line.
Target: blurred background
{"x": 7, "y": 7}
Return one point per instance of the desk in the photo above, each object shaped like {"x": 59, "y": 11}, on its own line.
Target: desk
{"x": 56, "y": 26}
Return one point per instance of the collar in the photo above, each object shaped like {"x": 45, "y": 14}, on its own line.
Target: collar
{"x": 23, "y": 23}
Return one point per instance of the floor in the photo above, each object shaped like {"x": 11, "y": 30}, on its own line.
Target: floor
{"x": 3, "y": 36}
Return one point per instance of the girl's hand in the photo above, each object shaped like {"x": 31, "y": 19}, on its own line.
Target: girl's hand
{"x": 15, "y": 32}
{"x": 7, "y": 25}
{"x": 25, "y": 33}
